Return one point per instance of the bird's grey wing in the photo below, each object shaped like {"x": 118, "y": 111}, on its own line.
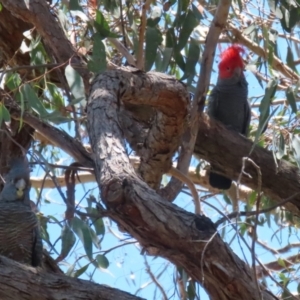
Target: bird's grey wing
{"x": 247, "y": 119}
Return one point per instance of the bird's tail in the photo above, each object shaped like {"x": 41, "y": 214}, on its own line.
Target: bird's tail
{"x": 219, "y": 181}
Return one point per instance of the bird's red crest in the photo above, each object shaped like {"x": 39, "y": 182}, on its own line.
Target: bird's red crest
{"x": 232, "y": 54}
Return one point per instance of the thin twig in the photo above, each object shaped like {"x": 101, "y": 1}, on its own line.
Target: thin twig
{"x": 152, "y": 276}
{"x": 252, "y": 213}
{"x": 259, "y": 182}
{"x": 54, "y": 66}
{"x": 140, "y": 55}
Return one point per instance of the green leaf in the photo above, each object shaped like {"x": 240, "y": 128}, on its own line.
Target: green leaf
{"x": 110, "y": 5}
{"x": 290, "y": 59}
{"x": 33, "y": 101}
{"x": 184, "y": 4}
{"x": 243, "y": 229}
{"x": 13, "y": 81}
{"x": 102, "y": 27}
{"x": 75, "y": 83}
{"x": 192, "y": 59}
{"x": 270, "y": 55}
{"x": 68, "y": 240}
{"x": 102, "y": 261}
{"x": 95, "y": 239}
{"x": 179, "y": 60}
{"x": 57, "y": 99}
{"x": 170, "y": 38}
{"x": 290, "y": 96}
{"x": 275, "y": 9}
{"x": 190, "y": 22}
{"x": 281, "y": 147}
{"x": 226, "y": 199}
{"x": 264, "y": 107}
{"x": 38, "y": 53}
{"x": 196, "y": 12}
{"x": 74, "y": 5}
{"x": 44, "y": 227}
{"x": 97, "y": 223}
{"x": 153, "y": 40}
{"x": 70, "y": 271}
{"x": 191, "y": 290}
{"x": 98, "y": 62}
{"x": 167, "y": 55}
{"x": 152, "y": 22}
{"x": 290, "y": 17}
{"x": 294, "y": 15}
{"x": 281, "y": 262}
{"x": 82, "y": 230}
{"x": 57, "y": 118}
{"x": 251, "y": 200}
{"x": 80, "y": 271}
{"x": 295, "y": 144}
{"x": 4, "y": 114}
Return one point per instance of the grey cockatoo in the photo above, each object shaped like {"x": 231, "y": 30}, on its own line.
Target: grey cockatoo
{"x": 228, "y": 102}
{"x": 19, "y": 228}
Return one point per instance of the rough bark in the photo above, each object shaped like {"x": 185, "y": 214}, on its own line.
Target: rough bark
{"x": 170, "y": 100}
{"x": 21, "y": 282}
{"x": 11, "y": 37}
{"x": 162, "y": 228}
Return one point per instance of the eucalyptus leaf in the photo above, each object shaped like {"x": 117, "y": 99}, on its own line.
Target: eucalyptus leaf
{"x": 75, "y": 83}
{"x": 153, "y": 40}
{"x": 192, "y": 59}
{"x": 33, "y": 100}
{"x": 190, "y": 22}
{"x": 102, "y": 261}
{"x": 291, "y": 98}
{"x": 98, "y": 62}
{"x": 83, "y": 232}
{"x": 80, "y": 271}
{"x": 68, "y": 240}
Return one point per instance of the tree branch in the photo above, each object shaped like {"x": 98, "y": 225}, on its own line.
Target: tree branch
{"x": 16, "y": 283}
{"x": 162, "y": 228}
{"x": 170, "y": 100}
{"x": 213, "y": 137}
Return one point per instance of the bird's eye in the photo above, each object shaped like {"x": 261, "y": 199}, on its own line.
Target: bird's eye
{"x": 228, "y": 68}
